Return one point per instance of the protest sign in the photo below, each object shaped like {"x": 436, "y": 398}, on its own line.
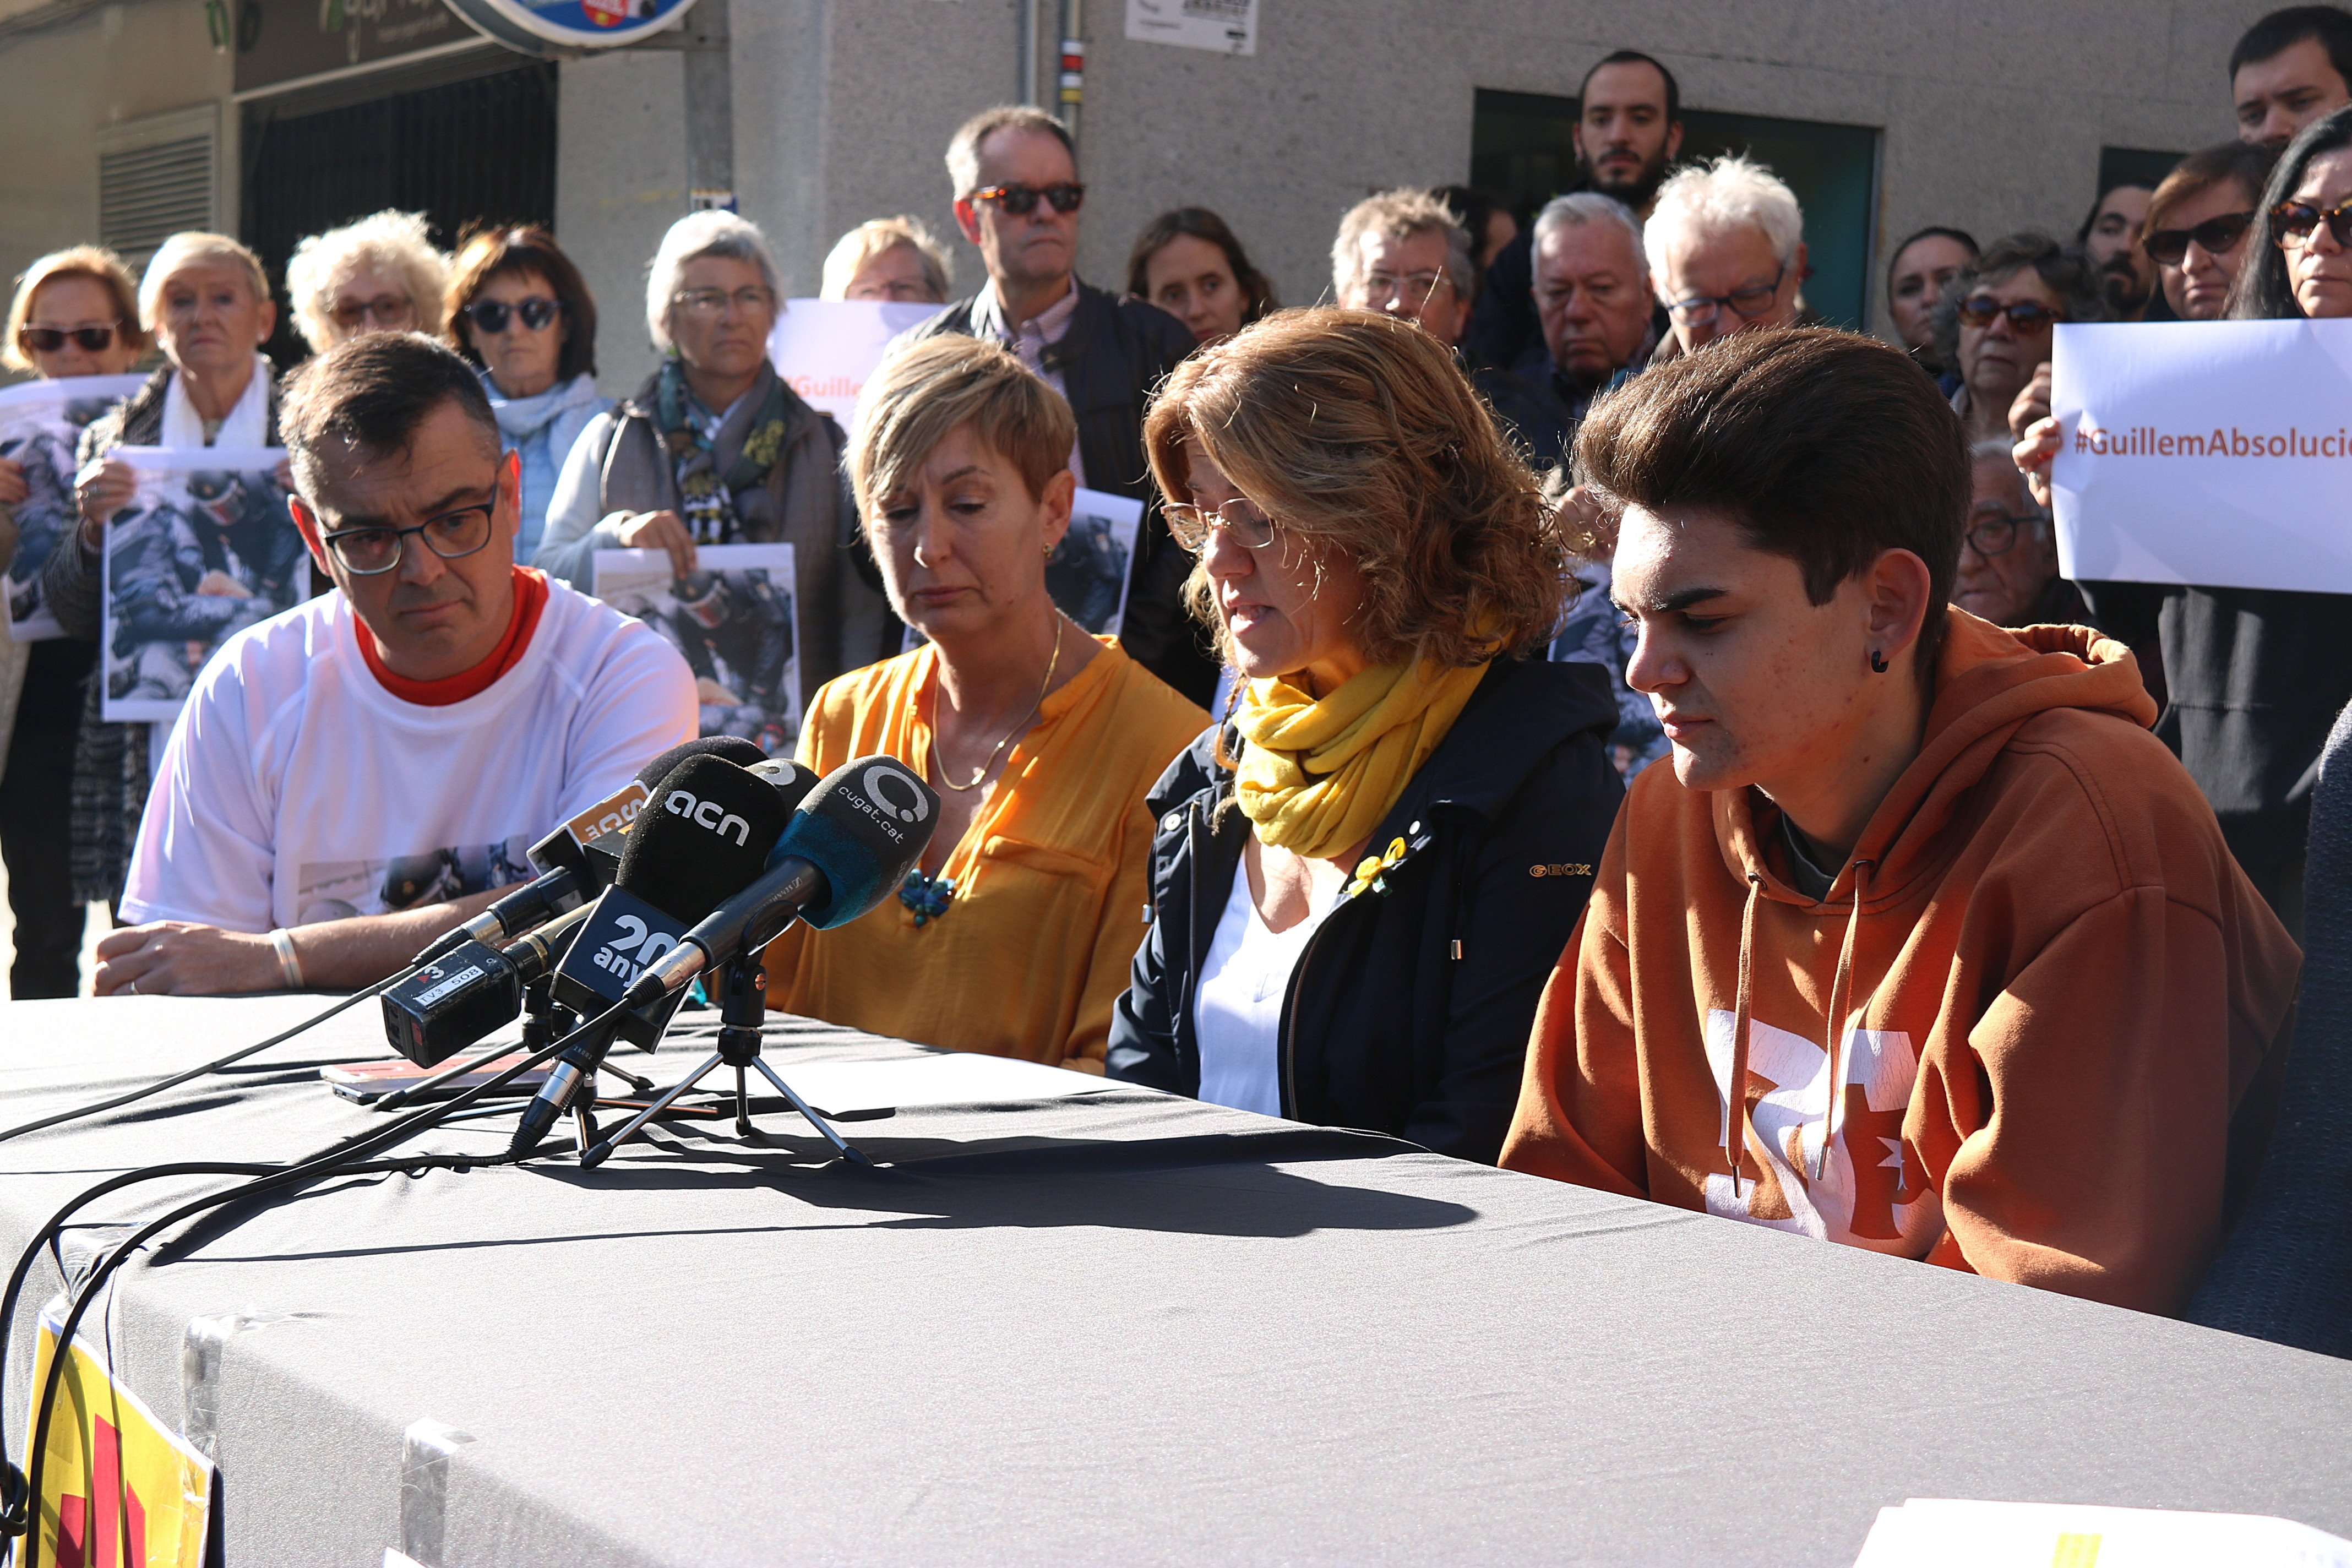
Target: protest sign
{"x": 2204, "y": 452}
{"x": 733, "y": 619}
{"x": 40, "y": 422}
{"x": 1222, "y": 26}
{"x": 205, "y": 550}
{"x": 825, "y": 349}
{"x": 117, "y": 1485}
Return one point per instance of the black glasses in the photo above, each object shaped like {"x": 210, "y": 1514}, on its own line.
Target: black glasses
{"x": 537, "y": 310}
{"x": 1251, "y": 528}
{"x": 1995, "y": 535}
{"x": 1746, "y": 303}
{"x": 2215, "y": 237}
{"x": 2024, "y": 315}
{"x": 49, "y": 340}
{"x": 1022, "y": 200}
{"x": 2294, "y": 223}
{"x": 366, "y": 551}
{"x": 388, "y": 312}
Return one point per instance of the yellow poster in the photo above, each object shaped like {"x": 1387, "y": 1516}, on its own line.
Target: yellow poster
{"x": 117, "y": 1485}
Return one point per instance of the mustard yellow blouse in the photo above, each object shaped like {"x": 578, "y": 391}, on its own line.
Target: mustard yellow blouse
{"x": 1051, "y": 879}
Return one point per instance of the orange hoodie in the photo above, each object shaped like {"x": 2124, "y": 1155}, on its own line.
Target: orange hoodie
{"x": 2054, "y": 988}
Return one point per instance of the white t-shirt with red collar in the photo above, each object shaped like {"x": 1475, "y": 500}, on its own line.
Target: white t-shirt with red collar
{"x": 297, "y": 788}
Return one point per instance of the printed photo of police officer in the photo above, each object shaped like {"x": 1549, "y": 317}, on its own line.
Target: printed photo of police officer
{"x": 42, "y": 449}
{"x": 731, "y": 617}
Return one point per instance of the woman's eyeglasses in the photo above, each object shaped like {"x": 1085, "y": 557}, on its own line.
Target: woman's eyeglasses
{"x": 2215, "y": 237}
{"x": 537, "y": 310}
{"x": 1250, "y": 527}
{"x": 2294, "y": 223}
{"x": 49, "y": 340}
{"x": 366, "y": 551}
{"x": 1996, "y": 535}
{"x": 389, "y": 311}
{"x": 1022, "y": 200}
{"x": 2024, "y": 315}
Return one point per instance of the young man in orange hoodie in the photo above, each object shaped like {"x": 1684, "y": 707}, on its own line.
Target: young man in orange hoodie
{"x": 1937, "y": 867}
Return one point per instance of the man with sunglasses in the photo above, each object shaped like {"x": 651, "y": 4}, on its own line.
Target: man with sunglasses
{"x": 441, "y": 703}
{"x": 1017, "y": 195}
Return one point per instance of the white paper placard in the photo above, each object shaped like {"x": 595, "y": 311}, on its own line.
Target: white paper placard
{"x": 825, "y": 349}
{"x": 1221, "y": 26}
{"x": 40, "y": 422}
{"x": 732, "y": 618}
{"x": 2215, "y": 453}
{"x": 205, "y": 550}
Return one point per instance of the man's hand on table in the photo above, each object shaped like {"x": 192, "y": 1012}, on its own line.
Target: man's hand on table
{"x": 175, "y": 958}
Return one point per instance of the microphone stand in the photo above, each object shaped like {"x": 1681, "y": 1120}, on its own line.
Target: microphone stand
{"x": 742, "y": 1008}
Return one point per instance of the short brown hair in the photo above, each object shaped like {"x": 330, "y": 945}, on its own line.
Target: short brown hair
{"x": 102, "y": 267}
{"x": 516, "y": 252}
{"x": 367, "y": 396}
{"x": 1359, "y": 433}
{"x": 929, "y": 388}
{"x": 963, "y": 147}
{"x": 1824, "y": 446}
{"x": 2244, "y": 164}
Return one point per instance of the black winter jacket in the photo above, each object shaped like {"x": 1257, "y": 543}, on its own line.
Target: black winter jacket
{"x": 1409, "y": 1009}
{"x": 1112, "y": 359}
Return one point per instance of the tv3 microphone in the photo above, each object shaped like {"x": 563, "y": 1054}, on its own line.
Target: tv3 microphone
{"x": 569, "y": 874}
{"x": 848, "y": 847}
{"x": 703, "y": 835}
{"x": 458, "y": 998}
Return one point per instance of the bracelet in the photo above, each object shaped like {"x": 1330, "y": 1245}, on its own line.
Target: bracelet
{"x": 289, "y": 964}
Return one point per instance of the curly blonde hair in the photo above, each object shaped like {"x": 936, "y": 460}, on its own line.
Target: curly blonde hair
{"x": 394, "y": 242}
{"x": 1358, "y": 434}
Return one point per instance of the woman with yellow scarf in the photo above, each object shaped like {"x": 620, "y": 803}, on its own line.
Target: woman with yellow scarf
{"x": 1363, "y": 876}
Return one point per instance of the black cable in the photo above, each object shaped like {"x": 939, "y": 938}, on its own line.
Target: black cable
{"x": 214, "y": 1066}
{"x": 337, "y": 1159}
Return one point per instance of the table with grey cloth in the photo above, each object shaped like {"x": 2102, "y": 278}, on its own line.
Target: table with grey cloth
{"x": 1114, "y": 1327}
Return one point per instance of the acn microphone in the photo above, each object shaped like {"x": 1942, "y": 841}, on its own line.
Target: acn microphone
{"x": 704, "y": 834}
{"x": 848, "y": 847}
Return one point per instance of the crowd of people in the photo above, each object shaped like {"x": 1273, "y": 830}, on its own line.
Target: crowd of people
{"x": 1572, "y": 709}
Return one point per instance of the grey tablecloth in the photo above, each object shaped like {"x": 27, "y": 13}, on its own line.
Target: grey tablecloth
{"x": 1118, "y": 1328}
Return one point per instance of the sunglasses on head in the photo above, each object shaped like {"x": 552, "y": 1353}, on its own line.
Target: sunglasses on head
{"x": 2024, "y": 316}
{"x": 2293, "y": 223}
{"x": 538, "y": 311}
{"x": 1022, "y": 200}
{"x": 49, "y": 340}
{"x": 2215, "y": 237}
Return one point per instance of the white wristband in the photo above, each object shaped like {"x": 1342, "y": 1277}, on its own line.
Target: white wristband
{"x": 289, "y": 965}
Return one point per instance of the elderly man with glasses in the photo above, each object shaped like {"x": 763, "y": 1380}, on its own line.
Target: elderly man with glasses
{"x": 353, "y": 777}
{"x": 1726, "y": 252}
{"x": 1016, "y": 177}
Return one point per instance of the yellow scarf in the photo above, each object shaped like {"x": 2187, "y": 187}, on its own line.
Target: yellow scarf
{"x": 1318, "y": 776}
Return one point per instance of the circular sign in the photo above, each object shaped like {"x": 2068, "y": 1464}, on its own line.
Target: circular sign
{"x": 567, "y": 26}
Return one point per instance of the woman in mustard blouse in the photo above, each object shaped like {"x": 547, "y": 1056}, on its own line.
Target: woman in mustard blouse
{"x": 1014, "y": 935}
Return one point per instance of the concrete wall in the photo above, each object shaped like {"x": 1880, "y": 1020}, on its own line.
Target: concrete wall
{"x": 620, "y": 183}
{"x": 1993, "y": 112}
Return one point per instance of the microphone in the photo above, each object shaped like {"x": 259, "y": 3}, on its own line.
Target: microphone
{"x": 455, "y": 1001}
{"x": 569, "y": 875}
{"x": 706, "y": 829}
{"x": 850, "y": 847}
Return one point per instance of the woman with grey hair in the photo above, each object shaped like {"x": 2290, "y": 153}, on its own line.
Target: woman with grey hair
{"x": 1996, "y": 318}
{"x": 714, "y": 449}
{"x": 380, "y": 273}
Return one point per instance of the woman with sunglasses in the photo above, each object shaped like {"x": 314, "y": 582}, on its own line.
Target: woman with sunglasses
{"x": 715, "y": 449}
{"x": 1362, "y": 878}
{"x": 2255, "y": 676}
{"x": 1995, "y": 317}
{"x": 2197, "y": 226}
{"x": 75, "y": 314}
{"x": 380, "y": 273}
{"x": 521, "y": 314}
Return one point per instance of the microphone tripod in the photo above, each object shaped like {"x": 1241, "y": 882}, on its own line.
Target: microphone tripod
{"x": 743, "y": 1005}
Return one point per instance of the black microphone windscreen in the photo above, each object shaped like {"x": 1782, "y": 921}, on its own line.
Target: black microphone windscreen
{"x": 705, "y": 833}
{"x": 864, "y": 826}
{"x": 726, "y": 748}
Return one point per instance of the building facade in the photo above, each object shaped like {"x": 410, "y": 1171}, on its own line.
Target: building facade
{"x": 272, "y": 118}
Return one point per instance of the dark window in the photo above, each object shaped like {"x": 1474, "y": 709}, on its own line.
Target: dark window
{"x": 2134, "y": 166}
{"x": 1520, "y": 150}
{"x": 483, "y": 148}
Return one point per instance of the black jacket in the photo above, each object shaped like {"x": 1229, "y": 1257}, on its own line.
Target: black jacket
{"x": 1410, "y": 1010}
{"x": 1112, "y": 359}
{"x": 2254, "y": 679}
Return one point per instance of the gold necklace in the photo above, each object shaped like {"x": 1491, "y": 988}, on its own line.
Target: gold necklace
{"x": 1046, "y": 685}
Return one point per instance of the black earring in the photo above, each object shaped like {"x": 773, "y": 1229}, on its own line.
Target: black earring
{"x": 1877, "y": 662}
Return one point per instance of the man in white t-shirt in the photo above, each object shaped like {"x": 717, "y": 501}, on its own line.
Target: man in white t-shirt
{"x": 355, "y": 776}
